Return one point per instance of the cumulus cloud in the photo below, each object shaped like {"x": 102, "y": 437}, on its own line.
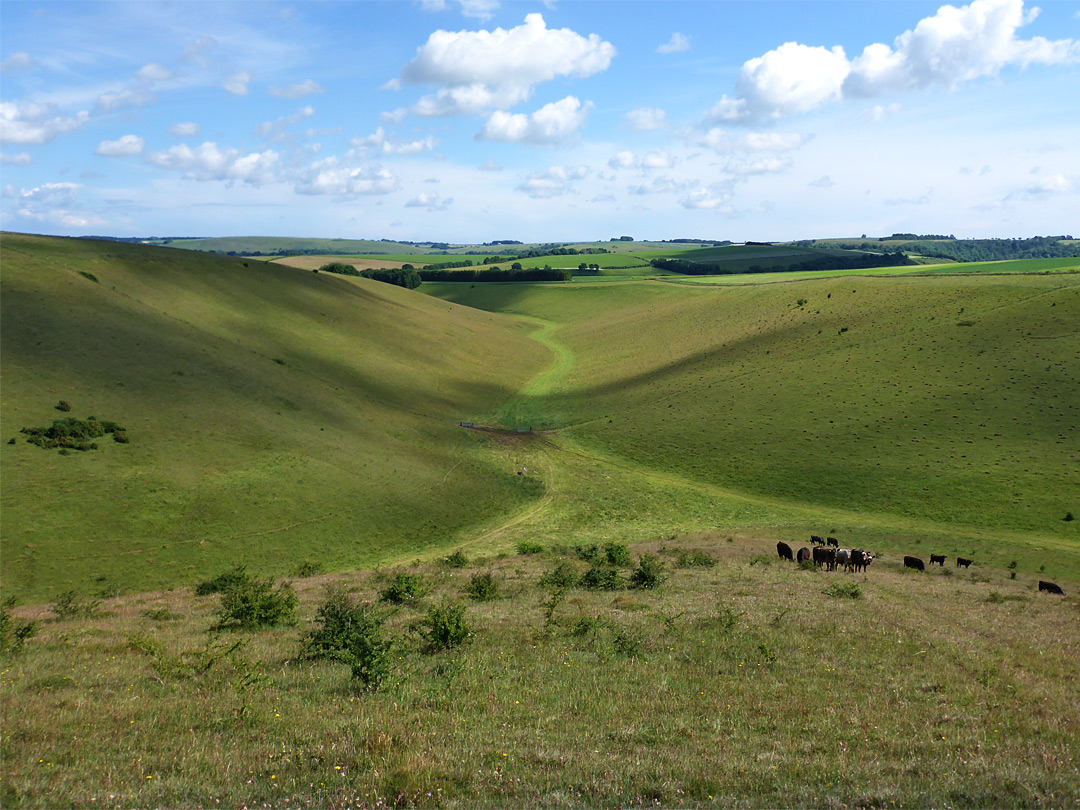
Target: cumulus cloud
{"x": 655, "y": 159}
{"x": 334, "y": 176}
{"x": 237, "y": 84}
{"x": 21, "y": 159}
{"x": 554, "y": 182}
{"x": 199, "y": 51}
{"x": 481, "y": 9}
{"x": 20, "y": 60}
{"x": 954, "y": 46}
{"x": 1048, "y": 185}
{"x": 678, "y": 42}
{"x": 124, "y": 147}
{"x": 186, "y": 129}
{"x": 208, "y": 162}
{"x": 879, "y": 112}
{"x": 483, "y": 70}
{"x": 277, "y": 130}
{"x": 432, "y": 202}
{"x": 379, "y": 142}
{"x": 154, "y": 72}
{"x": 823, "y": 182}
{"x": 724, "y": 142}
{"x": 53, "y": 203}
{"x": 132, "y": 97}
{"x": 297, "y": 89}
{"x": 552, "y": 124}
{"x": 709, "y": 199}
{"x": 646, "y": 118}
{"x": 657, "y": 185}
{"x": 28, "y": 122}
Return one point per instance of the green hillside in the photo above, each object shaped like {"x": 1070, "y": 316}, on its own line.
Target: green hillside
{"x": 274, "y": 416}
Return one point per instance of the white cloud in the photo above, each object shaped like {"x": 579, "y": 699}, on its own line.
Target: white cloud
{"x": 954, "y": 46}
{"x": 623, "y": 160}
{"x": 708, "y": 199}
{"x": 725, "y": 142}
{"x": 21, "y": 159}
{"x": 394, "y": 116}
{"x": 20, "y": 60}
{"x": 822, "y": 182}
{"x": 133, "y": 97}
{"x": 199, "y": 50}
{"x": 432, "y": 202}
{"x": 481, "y": 9}
{"x": 124, "y": 147}
{"x": 27, "y": 122}
{"x": 53, "y": 203}
{"x": 552, "y": 124}
{"x": 481, "y": 70}
{"x": 742, "y": 166}
{"x": 378, "y": 141}
{"x": 297, "y": 89}
{"x": 678, "y": 42}
{"x": 490, "y": 166}
{"x": 880, "y": 112}
{"x": 658, "y": 185}
{"x": 208, "y": 162}
{"x": 277, "y": 130}
{"x": 1046, "y": 186}
{"x": 554, "y": 182}
{"x": 186, "y": 129}
{"x": 154, "y": 72}
{"x": 237, "y": 84}
{"x": 646, "y": 118}
{"x": 334, "y": 176}
{"x": 655, "y": 159}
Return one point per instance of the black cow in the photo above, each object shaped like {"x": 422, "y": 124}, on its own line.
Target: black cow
{"x": 816, "y": 540}
{"x": 784, "y": 550}
{"x": 960, "y": 561}
{"x": 832, "y": 541}
{"x": 937, "y": 558}
{"x": 914, "y": 562}
{"x": 860, "y": 559}
{"x": 1050, "y": 587}
{"x": 803, "y": 554}
{"x": 825, "y": 556}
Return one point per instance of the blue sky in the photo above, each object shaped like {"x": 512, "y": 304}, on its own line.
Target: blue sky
{"x": 474, "y": 120}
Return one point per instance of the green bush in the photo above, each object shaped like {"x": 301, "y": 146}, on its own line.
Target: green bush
{"x": 483, "y": 587}
{"x": 63, "y": 405}
{"x": 309, "y": 569}
{"x": 617, "y": 554}
{"x": 694, "y": 558}
{"x": 162, "y": 614}
{"x": 340, "y": 268}
{"x": 563, "y": 576}
{"x": 351, "y": 633}
{"x": 222, "y": 582}
{"x": 13, "y": 633}
{"x": 844, "y": 590}
{"x": 648, "y": 574}
{"x": 456, "y": 560}
{"x": 71, "y": 433}
{"x": 254, "y": 603}
{"x": 403, "y": 587}
{"x": 529, "y": 547}
{"x": 588, "y": 553}
{"x": 444, "y": 627}
{"x": 69, "y": 606}
{"x": 601, "y": 577}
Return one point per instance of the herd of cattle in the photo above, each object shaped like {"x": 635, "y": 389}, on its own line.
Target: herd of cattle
{"x": 827, "y": 554}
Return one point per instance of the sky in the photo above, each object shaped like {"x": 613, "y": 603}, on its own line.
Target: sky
{"x": 470, "y": 121}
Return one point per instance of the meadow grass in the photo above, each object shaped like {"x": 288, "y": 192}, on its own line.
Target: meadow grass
{"x": 741, "y": 684}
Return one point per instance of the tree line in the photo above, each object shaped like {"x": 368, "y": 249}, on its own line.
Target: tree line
{"x": 823, "y": 262}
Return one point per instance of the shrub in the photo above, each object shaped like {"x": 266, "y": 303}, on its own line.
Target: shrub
{"x": 528, "y": 547}
{"x": 483, "y": 587}
{"x": 340, "y": 268}
{"x": 351, "y": 633}
{"x": 601, "y": 577}
{"x": 617, "y": 554}
{"x": 444, "y": 627}
{"x": 70, "y": 433}
{"x": 648, "y": 574}
{"x": 623, "y": 643}
{"x": 761, "y": 559}
{"x": 63, "y": 405}
{"x": 254, "y": 603}
{"x": 89, "y": 276}
{"x": 69, "y": 606}
{"x": 456, "y": 560}
{"x": 694, "y": 558}
{"x": 588, "y": 553}
{"x": 403, "y": 587}
{"x": 222, "y": 582}
{"x": 121, "y": 437}
{"x": 844, "y": 590}
{"x": 309, "y": 569}
{"x": 1069, "y": 517}
{"x": 13, "y": 634}
{"x": 563, "y": 575}
{"x": 162, "y": 614}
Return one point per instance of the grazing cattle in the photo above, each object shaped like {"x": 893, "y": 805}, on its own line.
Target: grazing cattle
{"x": 824, "y": 556}
{"x": 860, "y": 559}
{"x": 1050, "y": 587}
{"x": 842, "y": 558}
{"x": 816, "y": 540}
{"x": 803, "y": 555}
{"x": 960, "y": 561}
{"x": 832, "y": 541}
{"x": 914, "y": 562}
{"x": 784, "y": 550}
{"x": 937, "y": 558}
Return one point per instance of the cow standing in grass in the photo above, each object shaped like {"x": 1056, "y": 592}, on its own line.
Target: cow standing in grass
{"x": 960, "y": 561}
{"x": 1050, "y": 587}
{"x": 784, "y": 550}
{"x": 860, "y": 559}
{"x": 832, "y": 541}
{"x": 816, "y": 540}
{"x": 937, "y": 558}
{"x": 843, "y": 558}
{"x": 803, "y": 555}
{"x": 825, "y": 556}
{"x": 914, "y": 562}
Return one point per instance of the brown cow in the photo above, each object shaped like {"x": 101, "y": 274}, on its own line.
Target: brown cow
{"x": 832, "y": 541}
{"x": 803, "y": 554}
{"x": 784, "y": 550}
{"x": 960, "y": 561}
{"x": 914, "y": 562}
{"x": 816, "y": 540}
{"x": 825, "y": 556}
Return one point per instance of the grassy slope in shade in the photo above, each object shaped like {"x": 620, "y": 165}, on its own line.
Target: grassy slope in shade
{"x": 344, "y": 452}
{"x": 948, "y": 406}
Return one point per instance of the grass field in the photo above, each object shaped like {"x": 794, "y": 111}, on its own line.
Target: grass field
{"x": 296, "y": 422}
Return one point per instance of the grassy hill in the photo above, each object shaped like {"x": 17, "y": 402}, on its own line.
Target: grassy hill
{"x": 275, "y": 416}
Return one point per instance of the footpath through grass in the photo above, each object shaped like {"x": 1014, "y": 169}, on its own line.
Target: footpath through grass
{"x": 739, "y": 681}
